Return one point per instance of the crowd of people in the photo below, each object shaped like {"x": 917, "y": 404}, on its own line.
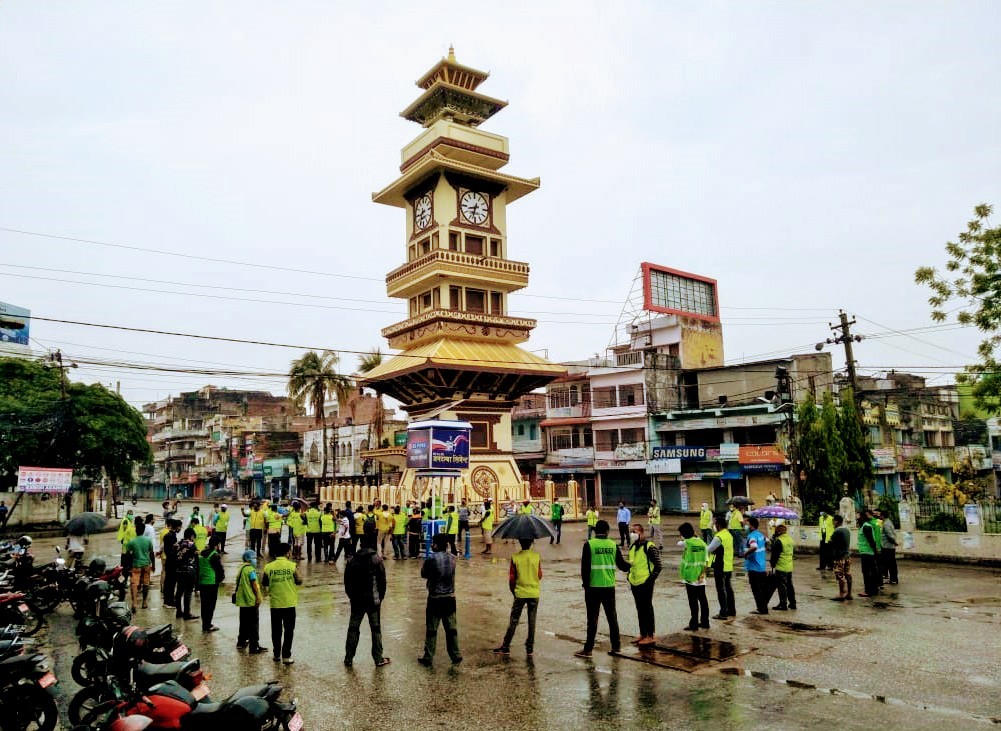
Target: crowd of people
{"x": 191, "y": 563}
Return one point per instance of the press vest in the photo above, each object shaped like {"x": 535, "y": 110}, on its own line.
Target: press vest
{"x": 726, "y": 545}
{"x": 785, "y": 558}
{"x": 206, "y": 574}
{"x": 274, "y": 521}
{"x": 399, "y": 524}
{"x": 222, "y": 522}
{"x": 602, "y": 563}
{"x": 453, "y": 524}
{"x": 312, "y": 520}
{"x": 256, "y": 520}
{"x": 735, "y": 520}
{"x": 487, "y": 523}
{"x": 201, "y": 537}
{"x": 693, "y": 560}
{"x": 705, "y": 519}
{"x": 327, "y": 523}
{"x": 245, "y": 596}
{"x": 282, "y": 589}
{"x": 592, "y": 518}
{"x": 526, "y": 566}
{"x": 653, "y": 516}
{"x": 639, "y": 569}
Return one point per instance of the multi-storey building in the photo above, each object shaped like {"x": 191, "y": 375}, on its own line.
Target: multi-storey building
{"x": 526, "y": 438}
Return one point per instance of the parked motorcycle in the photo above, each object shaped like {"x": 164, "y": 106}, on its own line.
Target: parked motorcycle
{"x": 16, "y": 609}
{"x": 27, "y": 686}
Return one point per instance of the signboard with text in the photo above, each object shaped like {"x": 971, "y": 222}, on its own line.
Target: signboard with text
{"x": 761, "y": 454}
{"x": 438, "y": 445}
{"x": 44, "y": 479}
{"x": 684, "y": 452}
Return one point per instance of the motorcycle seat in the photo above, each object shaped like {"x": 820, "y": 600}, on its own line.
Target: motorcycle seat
{"x": 267, "y": 691}
{"x": 243, "y": 713}
{"x": 148, "y": 674}
{"x": 173, "y": 689}
{"x": 160, "y": 635}
{"x": 10, "y": 596}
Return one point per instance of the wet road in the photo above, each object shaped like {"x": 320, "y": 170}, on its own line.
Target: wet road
{"x": 925, "y": 654}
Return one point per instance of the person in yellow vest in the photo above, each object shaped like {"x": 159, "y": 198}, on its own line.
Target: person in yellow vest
{"x": 598, "y": 560}
{"x": 781, "y": 562}
{"x": 487, "y": 526}
{"x": 720, "y": 553}
{"x": 399, "y": 533}
{"x": 297, "y": 531}
{"x": 693, "y": 574}
{"x": 281, "y": 582}
{"x": 126, "y": 532}
{"x": 221, "y": 527}
{"x": 735, "y": 524}
{"x": 248, "y": 598}
{"x": 524, "y": 579}
{"x": 452, "y": 528}
{"x": 706, "y": 523}
{"x": 384, "y": 528}
{"x": 255, "y": 521}
{"x": 643, "y": 570}
{"x": 274, "y": 520}
{"x": 526, "y": 508}
{"x": 201, "y": 534}
{"x": 328, "y": 527}
{"x": 592, "y": 520}
{"x": 359, "y": 528}
{"x": 314, "y": 535}
{"x": 826, "y": 525}
{"x": 653, "y": 520}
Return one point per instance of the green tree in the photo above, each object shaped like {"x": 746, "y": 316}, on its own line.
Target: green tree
{"x": 366, "y": 364}
{"x": 857, "y": 469}
{"x": 971, "y": 291}
{"x": 46, "y": 421}
{"x": 821, "y": 456}
{"x": 312, "y": 379}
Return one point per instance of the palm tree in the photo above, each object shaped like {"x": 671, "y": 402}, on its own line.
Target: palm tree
{"x": 367, "y": 363}
{"x": 311, "y": 379}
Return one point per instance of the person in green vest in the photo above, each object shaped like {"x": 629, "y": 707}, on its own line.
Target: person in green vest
{"x": 201, "y": 535}
{"x": 693, "y": 574}
{"x": 221, "y": 527}
{"x": 526, "y": 508}
{"x": 248, "y": 598}
{"x": 781, "y": 563}
{"x": 826, "y": 525}
{"x": 274, "y": 521}
{"x": 653, "y": 520}
{"x": 868, "y": 549}
{"x": 556, "y": 518}
{"x": 592, "y": 520}
{"x": 126, "y": 532}
{"x": 210, "y": 575}
{"x": 452, "y": 528}
{"x": 735, "y": 524}
{"x": 706, "y": 523}
{"x": 643, "y": 567}
{"x": 313, "y": 535}
{"x": 281, "y": 581}
{"x": 598, "y": 560}
{"x": 328, "y": 527}
{"x": 297, "y": 530}
{"x": 399, "y": 533}
{"x": 487, "y": 526}
{"x": 524, "y": 579}
{"x": 720, "y": 553}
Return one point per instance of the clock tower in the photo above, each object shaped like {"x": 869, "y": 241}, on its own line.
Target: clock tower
{"x": 459, "y": 356}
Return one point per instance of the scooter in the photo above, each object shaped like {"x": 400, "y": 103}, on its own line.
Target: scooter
{"x": 27, "y": 686}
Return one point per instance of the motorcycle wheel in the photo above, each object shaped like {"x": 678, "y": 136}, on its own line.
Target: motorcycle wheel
{"x": 87, "y": 669}
{"x": 30, "y": 708}
{"x": 47, "y": 598}
{"x": 83, "y": 704}
{"x": 29, "y": 622}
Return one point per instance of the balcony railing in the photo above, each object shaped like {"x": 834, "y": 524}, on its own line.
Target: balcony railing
{"x": 439, "y": 256}
{"x": 568, "y": 412}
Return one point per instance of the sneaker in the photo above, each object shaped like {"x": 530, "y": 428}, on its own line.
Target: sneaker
{"x": 502, "y": 650}
{"x": 258, "y": 650}
{"x": 384, "y": 662}
{"x": 288, "y": 660}
{"x": 582, "y": 653}
{"x": 425, "y": 661}
{"x": 276, "y": 658}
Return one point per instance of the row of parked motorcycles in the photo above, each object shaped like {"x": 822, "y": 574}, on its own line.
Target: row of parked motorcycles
{"x": 131, "y": 678}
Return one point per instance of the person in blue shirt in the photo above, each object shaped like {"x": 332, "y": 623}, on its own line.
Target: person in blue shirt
{"x": 756, "y": 568}
{"x": 622, "y": 518}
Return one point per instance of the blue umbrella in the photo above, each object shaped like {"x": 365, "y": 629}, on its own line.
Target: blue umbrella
{"x": 775, "y": 511}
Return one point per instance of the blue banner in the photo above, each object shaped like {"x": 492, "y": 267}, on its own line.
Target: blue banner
{"x": 449, "y": 448}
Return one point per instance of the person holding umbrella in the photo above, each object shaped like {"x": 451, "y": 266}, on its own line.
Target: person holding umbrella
{"x": 524, "y": 581}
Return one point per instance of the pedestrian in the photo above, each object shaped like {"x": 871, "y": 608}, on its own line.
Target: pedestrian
{"x": 526, "y": 508}
{"x": 592, "y": 520}
{"x": 126, "y": 532}
{"x": 643, "y": 567}
{"x": 209, "y": 521}
{"x": 247, "y": 597}
{"x": 168, "y": 552}
{"x": 328, "y": 528}
{"x": 210, "y": 575}
{"x": 384, "y": 525}
{"x": 524, "y": 578}
{"x": 143, "y": 561}
{"x": 439, "y": 572}
{"x": 693, "y": 574}
{"x": 221, "y": 527}
{"x": 185, "y": 572}
{"x": 868, "y": 549}
{"x": 781, "y": 563}
{"x": 75, "y": 547}
{"x": 887, "y": 547}
{"x": 452, "y": 528}
{"x": 256, "y": 523}
{"x": 826, "y": 525}
{"x": 358, "y": 528}
{"x": 295, "y": 528}
{"x": 281, "y": 582}
{"x": 400, "y": 533}
{"x": 556, "y": 518}
{"x": 4, "y": 514}
{"x": 706, "y": 523}
{"x": 771, "y": 499}
{"x": 720, "y": 552}
{"x": 754, "y": 565}
{"x": 365, "y": 585}
{"x": 201, "y": 534}
{"x": 343, "y": 537}
{"x": 463, "y": 519}
{"x": 735, "y": 523}
{"x": 598, "y": 560}
{"x": 487, "y": 526}
{"x": 623, "y": 516}
{"x": 313, "y": 533}
{"x": 273, "y": 520}
{"x": 841, "y": 555}
{"x": 414, "y": 528}
{"x": 195, "y": 514}
{"x": 653, "y": 520}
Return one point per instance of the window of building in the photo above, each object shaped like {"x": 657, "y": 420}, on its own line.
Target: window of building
{"x": 495, "y": 247}
{"x": 479, "y": 437}
{"x": 674, "y": 292}
{"x": 631, "y": 394}
{"x": 413, "y": 306}
{"x": 453, "y": 241}
{"x": 521, "y": 430}
{"x": 476, "y": 300}
{"x": 425, "y": 301}
{"x": 496, "y": 303}
{"x": 632, "y": 436}
{"x": 606, "y": 440}
{"x": 474, "y": 245}
{"x": 412, "y": 252}
{"x": 533, "y": 431}
{"x": 875, "y": 435}
{"x": 604, "y": 397}
{"x": 455, "y": 298}
{"x": 424, "y": 246}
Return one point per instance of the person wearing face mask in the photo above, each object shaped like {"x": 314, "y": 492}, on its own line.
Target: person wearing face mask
{"x": 643, "y": 568}
{"x": 706, "y": 523}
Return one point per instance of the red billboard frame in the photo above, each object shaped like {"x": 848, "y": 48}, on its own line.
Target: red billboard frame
{"x": 648, "y": 267}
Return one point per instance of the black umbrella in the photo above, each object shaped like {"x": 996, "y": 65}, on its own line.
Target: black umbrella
{"x": 222, "y": 493}
{"x": 525, "y": 526}
{"x": 740, "y": 500}
{"x": 84, "y": 523}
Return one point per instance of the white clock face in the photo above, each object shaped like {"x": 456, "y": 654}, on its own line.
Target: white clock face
{"x": 474, "y": 207}
{"x": 422, "y": 211}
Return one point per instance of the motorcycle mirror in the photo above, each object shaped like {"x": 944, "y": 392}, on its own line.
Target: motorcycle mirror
{"x": 58, "y": 549}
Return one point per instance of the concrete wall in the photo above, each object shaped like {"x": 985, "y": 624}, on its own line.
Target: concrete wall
{"x": 925, "y": 544}
{"x": 33, "y": 510}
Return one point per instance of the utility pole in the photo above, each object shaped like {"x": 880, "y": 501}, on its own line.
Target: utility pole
{"x": 845, "y": 338}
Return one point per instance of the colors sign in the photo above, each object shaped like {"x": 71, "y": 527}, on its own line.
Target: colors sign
{"x": 761, "y": 454}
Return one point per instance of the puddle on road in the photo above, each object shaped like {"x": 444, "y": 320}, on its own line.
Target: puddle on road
{"x": 800, "y": 629}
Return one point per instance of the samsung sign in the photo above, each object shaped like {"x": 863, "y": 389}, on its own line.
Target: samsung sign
{"x": 684, "y": 452}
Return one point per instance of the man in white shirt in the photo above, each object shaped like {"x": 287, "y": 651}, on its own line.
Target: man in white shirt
{"x": 150, "y": 532}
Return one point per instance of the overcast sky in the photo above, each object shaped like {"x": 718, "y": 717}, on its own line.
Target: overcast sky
{"x": 809, "y": 156}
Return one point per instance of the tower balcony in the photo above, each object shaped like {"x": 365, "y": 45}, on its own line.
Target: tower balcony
{"x": 435, "y": 324}
{"x": 415, "y": 276}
